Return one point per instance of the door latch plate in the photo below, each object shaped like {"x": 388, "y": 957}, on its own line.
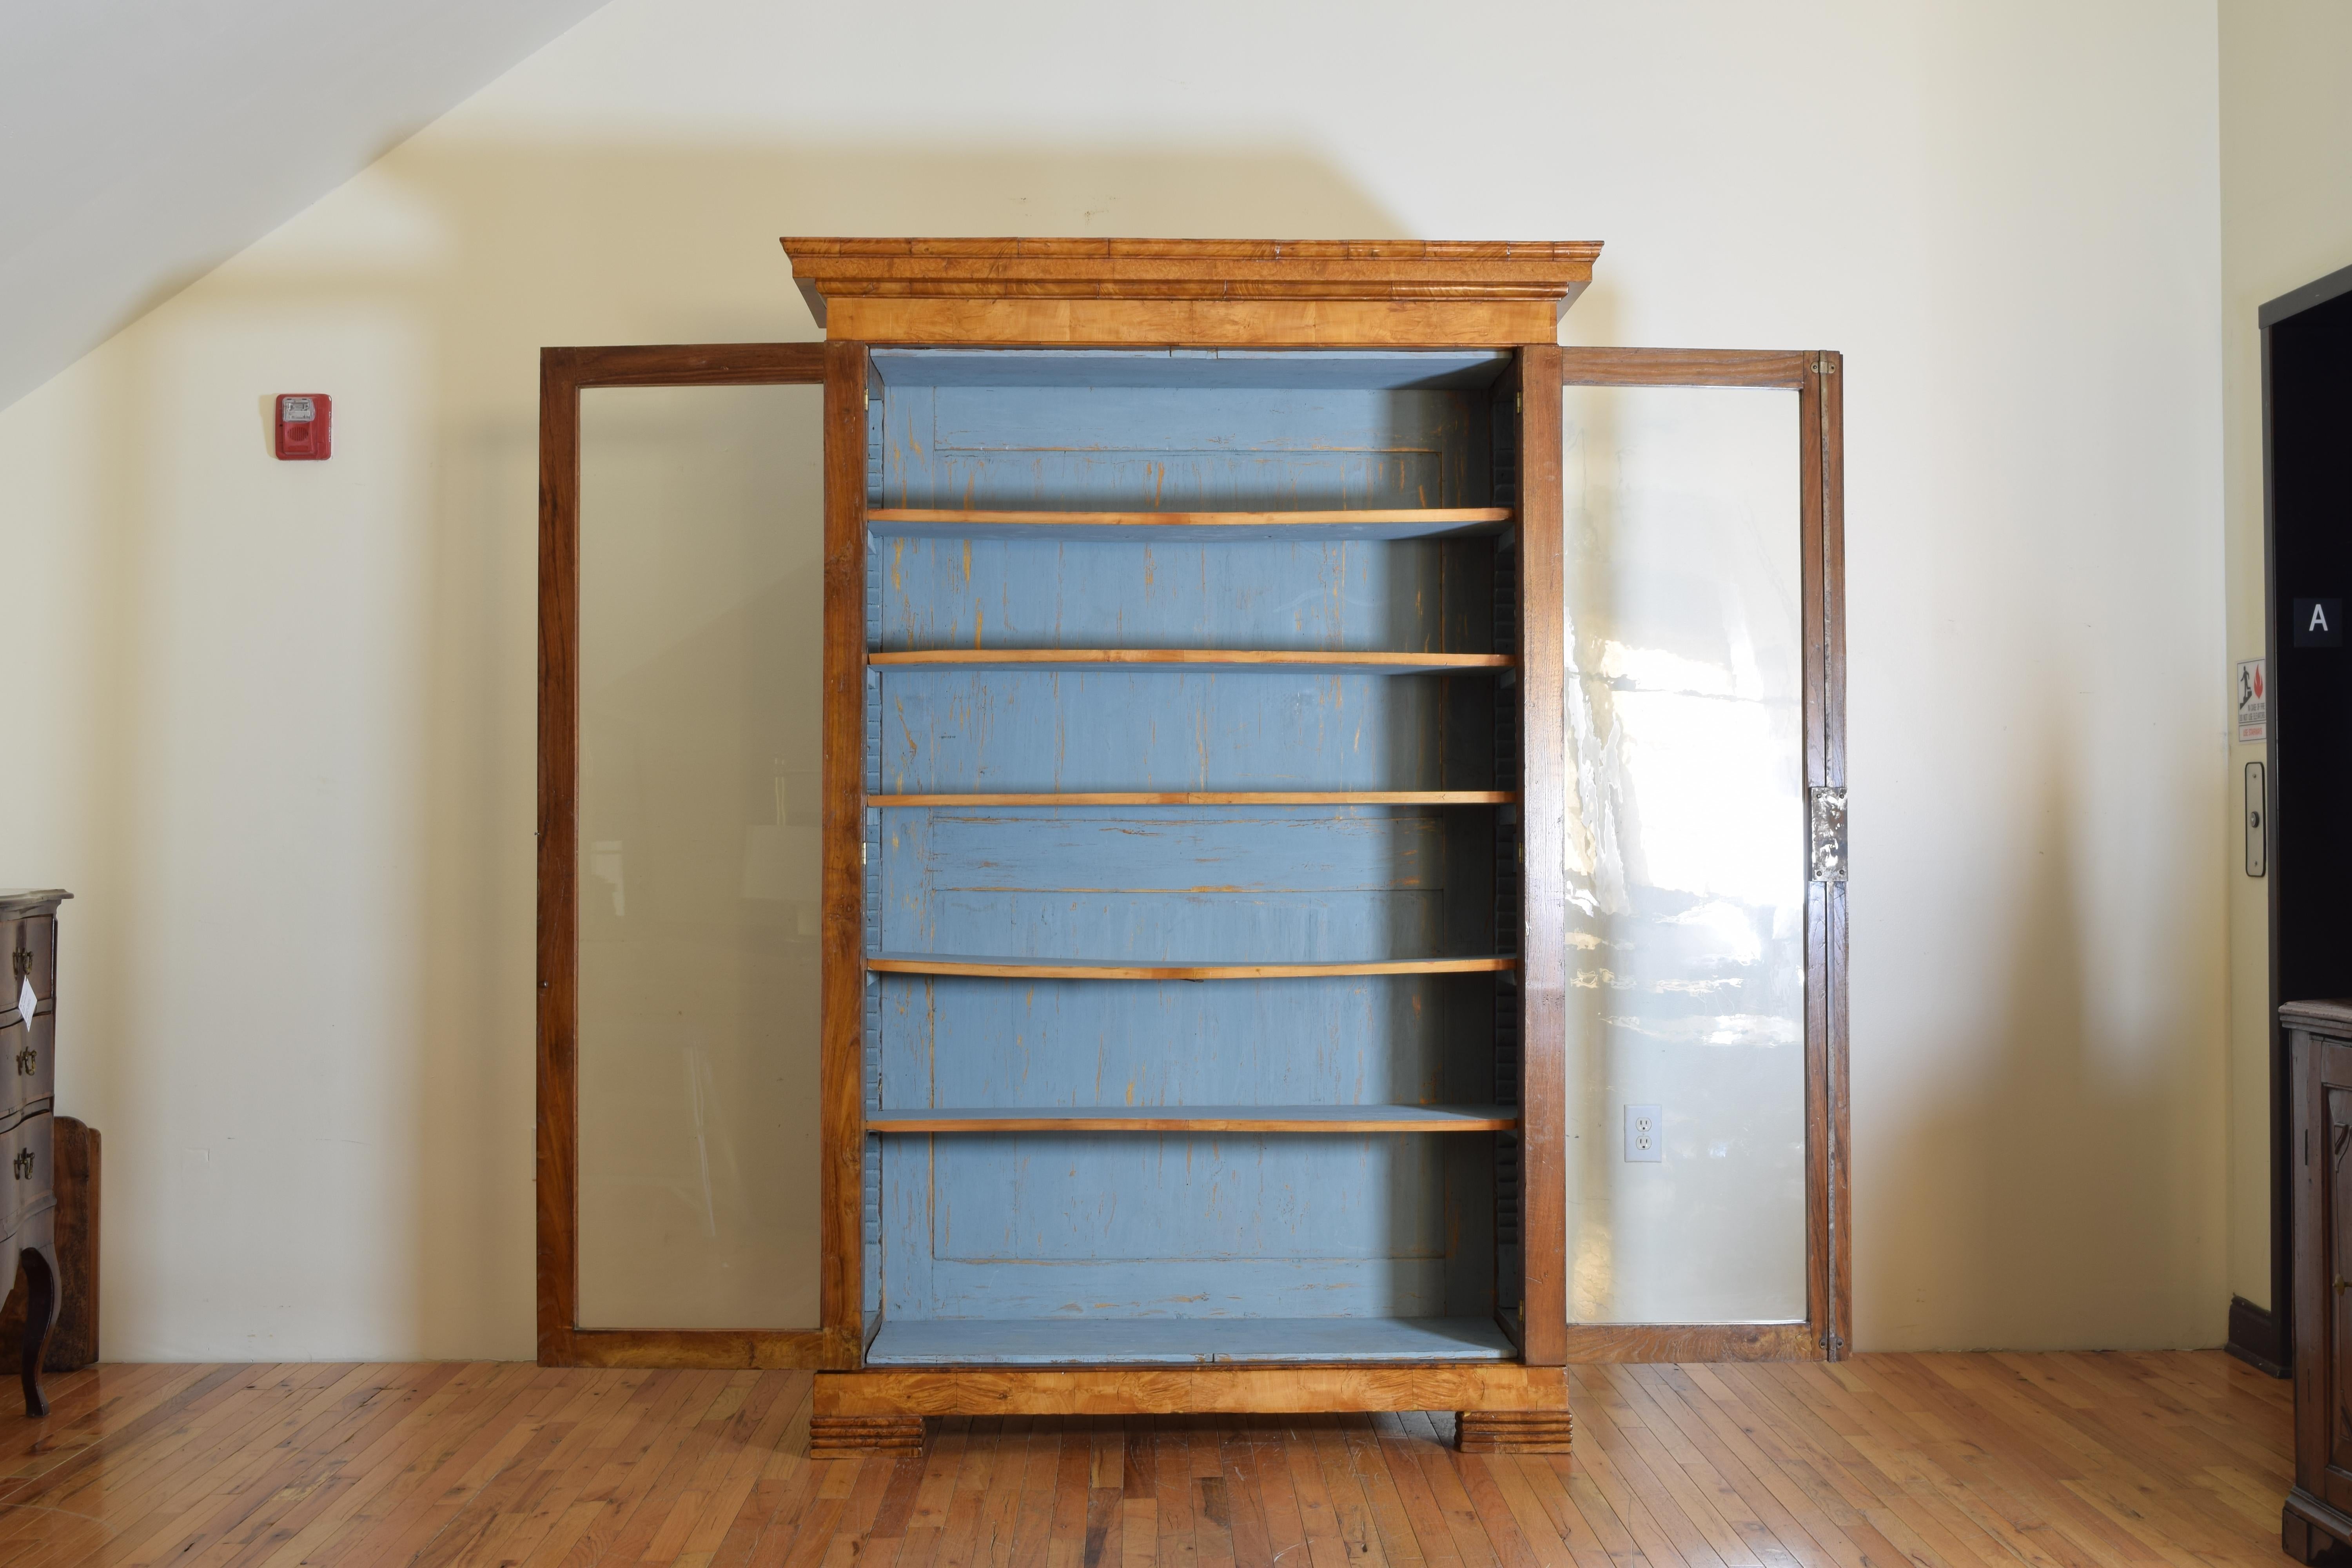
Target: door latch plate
{"x": 1829, "y": 835}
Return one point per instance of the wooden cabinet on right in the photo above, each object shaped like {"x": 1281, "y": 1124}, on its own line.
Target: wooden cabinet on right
{"x": 2319, "y": 1514}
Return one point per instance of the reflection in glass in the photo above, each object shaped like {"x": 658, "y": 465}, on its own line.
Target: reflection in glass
{"x": 702, "y": 641}
{"x": 1686, "y": 853}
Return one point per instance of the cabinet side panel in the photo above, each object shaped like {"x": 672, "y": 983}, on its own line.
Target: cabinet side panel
{"x": 1509, "y": 1174}
{"x": 1543, "y": 813}
{"x": 842, "y": 990}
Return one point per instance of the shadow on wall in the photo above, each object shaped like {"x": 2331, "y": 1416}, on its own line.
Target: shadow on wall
{"x": 419, "y": 295}
{"x": 2053, "y": 1155}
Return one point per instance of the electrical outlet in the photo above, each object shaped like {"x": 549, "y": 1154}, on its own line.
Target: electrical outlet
{"x": 1645, "y": 1134}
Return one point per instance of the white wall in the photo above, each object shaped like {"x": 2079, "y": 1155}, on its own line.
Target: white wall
{"x": 284, "y": 712}
{"x": 2286, "y": 219}
{"x": 141, "y": 145}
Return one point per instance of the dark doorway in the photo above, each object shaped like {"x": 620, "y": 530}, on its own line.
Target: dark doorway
{"x": 2308, "y": 526}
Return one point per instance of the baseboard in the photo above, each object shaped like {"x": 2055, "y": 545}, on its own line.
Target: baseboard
{"x": 2255, "y": 1337}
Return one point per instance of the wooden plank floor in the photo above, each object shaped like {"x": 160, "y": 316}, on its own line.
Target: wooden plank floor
{"x": 1960, "y": 1461}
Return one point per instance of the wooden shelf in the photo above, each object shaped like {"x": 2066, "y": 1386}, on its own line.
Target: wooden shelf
{"x": 1254, "y": 661}
{"x": 1182, "y": 1341}
{"x": 1215, "y": 797}
{"x": 1122, "y": 969}
{"x": 1334, "y": 1118}
{"x": 1417, "y": 522}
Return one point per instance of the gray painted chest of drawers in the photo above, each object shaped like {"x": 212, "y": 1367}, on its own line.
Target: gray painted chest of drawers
{"x": 29, "y": 1078}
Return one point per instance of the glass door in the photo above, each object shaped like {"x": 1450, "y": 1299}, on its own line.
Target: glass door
{"x": 1704, "y": 1055}
{"x": 683, "y": 685}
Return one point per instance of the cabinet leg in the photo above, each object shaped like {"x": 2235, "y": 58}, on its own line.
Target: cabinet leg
{"x": 852, "y": 1436}
{"x": 40, "y": 1317}
{"x": 1513, "y": 1431}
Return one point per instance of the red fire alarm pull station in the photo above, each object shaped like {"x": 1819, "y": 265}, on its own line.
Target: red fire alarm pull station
{"x": 304, "y": 429}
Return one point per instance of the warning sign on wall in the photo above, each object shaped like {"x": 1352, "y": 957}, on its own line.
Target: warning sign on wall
{"x": 2254, "y": 702}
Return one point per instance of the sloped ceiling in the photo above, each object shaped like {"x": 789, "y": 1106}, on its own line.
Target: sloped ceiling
{"x": 143, "y": 141}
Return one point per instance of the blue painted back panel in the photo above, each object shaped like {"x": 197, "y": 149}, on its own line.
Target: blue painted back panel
{"x": 1138, "y": 1225}
{"x": 1361, "y": 596}
{"x": 1171, "y": 1341}
{"x": 950, "y": 731}
{"x": 1222, "y": 886}
{"x": 1013, "y": 1225}
{"x": 1174, "y": 449}
{"x": 1366, "y": 1040}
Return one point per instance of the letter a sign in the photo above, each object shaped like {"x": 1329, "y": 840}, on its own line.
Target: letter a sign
{"x": 2319, "y": 623}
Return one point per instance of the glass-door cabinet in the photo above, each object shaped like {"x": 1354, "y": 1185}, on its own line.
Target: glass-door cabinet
{"x": 1190, "y": 826}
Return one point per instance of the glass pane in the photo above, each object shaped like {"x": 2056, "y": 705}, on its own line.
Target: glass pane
{"x": 701, "y": 646}
{"x": 1686, "y": 848}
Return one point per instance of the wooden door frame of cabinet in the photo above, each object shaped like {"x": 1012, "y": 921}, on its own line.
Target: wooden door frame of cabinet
{"x": 1827, "y": 1331}
{"x": 564, "y": 374}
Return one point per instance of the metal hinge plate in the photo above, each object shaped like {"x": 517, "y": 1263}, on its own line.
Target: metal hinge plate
{"x": 1829, "y": 835}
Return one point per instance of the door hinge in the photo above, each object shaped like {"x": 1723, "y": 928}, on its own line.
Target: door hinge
{"x": 1824, "y": 364}
{"x": 868, "y": 395}
{"x": 1518, "y": 402}
{"x": 1829, "y": 835}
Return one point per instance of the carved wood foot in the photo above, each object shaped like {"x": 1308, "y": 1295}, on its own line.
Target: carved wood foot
{"x": 1512, "y": 1431}
{"x": 2298, "y": 1540}
{"x": 40, "y": 1317}
{"x": 854, "y": 1437}
{"x": 2307, "y": 1539}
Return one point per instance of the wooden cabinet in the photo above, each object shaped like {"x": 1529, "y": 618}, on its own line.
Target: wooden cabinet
{"x": 2318, "y": 1512}
{"x": 28, "y": 1186}
{"x": 1194, "y": 956}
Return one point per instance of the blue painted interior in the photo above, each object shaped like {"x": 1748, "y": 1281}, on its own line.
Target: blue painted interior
{"x": 1125, "y": 1227}
{"x": 1188, "y": 1342}
{"x": 1457, "y": 1117}
{"x": 1159, "y": 448}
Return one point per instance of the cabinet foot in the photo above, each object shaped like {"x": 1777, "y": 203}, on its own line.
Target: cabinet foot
{"x": 2311, "y": 1531}
{"x": 40, "y": 1317}
{"x": 852, "y": 1436}
{"x": 1513, "y": 1431}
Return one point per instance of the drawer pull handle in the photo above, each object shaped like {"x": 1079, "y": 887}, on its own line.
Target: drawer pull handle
{"x": 23, "y": 1163}
{"x": 23, "y": 961}
{"x": 28, "y": 1062}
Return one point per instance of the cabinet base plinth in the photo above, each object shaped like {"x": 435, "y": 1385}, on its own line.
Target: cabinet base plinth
{"x": 854, "y": 1437}
{"x": 1513, "y": 1431}
{"x": 1484, "y": 1389}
